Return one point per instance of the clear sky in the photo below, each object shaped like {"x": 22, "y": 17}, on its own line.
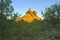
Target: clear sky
{"x": 22, "y": 6}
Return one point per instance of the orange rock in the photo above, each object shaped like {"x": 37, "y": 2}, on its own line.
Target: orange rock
{"x": 29, "y": 16}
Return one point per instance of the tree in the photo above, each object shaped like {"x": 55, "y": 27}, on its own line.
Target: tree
{"x": 2, "y": 24}
{"x": 15, "y": 15}
{"x": 52, "y": 15}
{"x": 5, "y": 11}
{"x": 6, "y": 7}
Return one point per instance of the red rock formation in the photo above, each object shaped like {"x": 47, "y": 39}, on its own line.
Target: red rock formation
{"x": 29, "y": 16}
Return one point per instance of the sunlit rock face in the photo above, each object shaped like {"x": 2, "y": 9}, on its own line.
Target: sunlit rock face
{"x": 29, "y": 16}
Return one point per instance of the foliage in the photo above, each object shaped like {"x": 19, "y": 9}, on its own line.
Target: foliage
{"x": 49, "y": 27}
{"x": 52, "y": 15}
{"x": 51, "y": 18}
{"x": 5, "y": 11}
{"x": 6, "y": 7}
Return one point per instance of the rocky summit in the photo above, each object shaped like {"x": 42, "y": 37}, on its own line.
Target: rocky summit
{"x": 29, "y": 16}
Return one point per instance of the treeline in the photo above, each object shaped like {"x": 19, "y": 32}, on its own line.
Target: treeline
{"x": 47, "y": 29}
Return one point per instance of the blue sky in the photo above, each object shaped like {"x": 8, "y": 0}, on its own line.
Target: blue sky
{"x": 22, "y": 6}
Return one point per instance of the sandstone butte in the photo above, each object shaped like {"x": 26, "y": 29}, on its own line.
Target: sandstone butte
{"x": 29, "y": 16}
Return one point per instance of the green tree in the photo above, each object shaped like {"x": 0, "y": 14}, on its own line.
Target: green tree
{"x": 52, "y": 15}
{"x": 5, "y": 11}
{"x": 15, "y": 15}
{"x": 51, "y": 18}
{"x": 6, "y": 7}
{"x": 2, "y": 24}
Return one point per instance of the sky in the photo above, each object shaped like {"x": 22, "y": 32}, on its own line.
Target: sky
{"x": 22, "y": 6}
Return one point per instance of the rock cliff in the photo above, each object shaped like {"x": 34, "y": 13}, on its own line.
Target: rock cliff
{"x": 29, "y": 16}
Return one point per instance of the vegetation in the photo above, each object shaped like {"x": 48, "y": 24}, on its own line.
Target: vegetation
{"x": 48, "y": 28}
